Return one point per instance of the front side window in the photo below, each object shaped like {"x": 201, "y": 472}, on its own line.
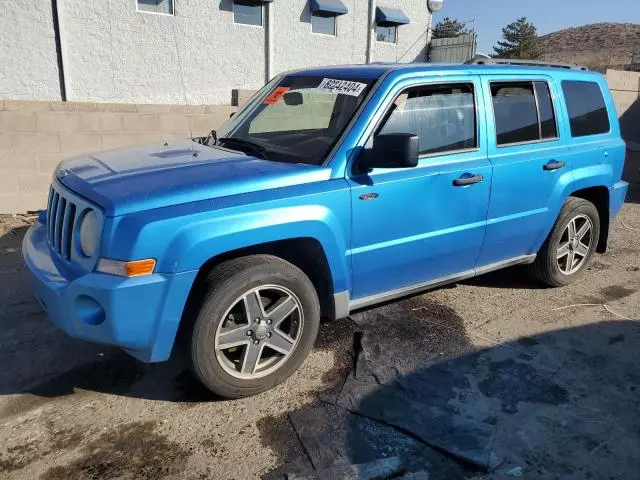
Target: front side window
{"x": 325, "y": 24}
{"x": 155, "y": 6}
{"x": 442, "y": 116}
{"x": 387, "y": 34}
{"x": 523, "y": 112}
{"x": 296, "y": 118}
{"x": 587, "y": 110}
{"x": 247, "y": 13}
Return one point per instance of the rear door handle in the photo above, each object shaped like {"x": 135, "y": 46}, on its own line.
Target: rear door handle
{"x": 553, "y": 165}
{"x": 462, "y": 181}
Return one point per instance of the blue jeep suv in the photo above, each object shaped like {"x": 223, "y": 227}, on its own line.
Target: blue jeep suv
{"x": 332, "y": 190}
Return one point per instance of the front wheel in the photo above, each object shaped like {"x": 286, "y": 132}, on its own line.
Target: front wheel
{"x": 571, "y": 245}
{"x": 257, "y": 323}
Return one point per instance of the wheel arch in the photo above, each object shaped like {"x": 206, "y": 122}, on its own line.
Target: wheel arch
{"x": 306, "y": 253}
{"x": 599, "y": 196}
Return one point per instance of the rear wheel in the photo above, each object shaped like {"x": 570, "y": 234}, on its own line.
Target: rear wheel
{"x": 571, "y": 245}
{"x": 256, "y": 325}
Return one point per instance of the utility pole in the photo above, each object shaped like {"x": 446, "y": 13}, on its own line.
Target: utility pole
{"x": 370, "y": 23}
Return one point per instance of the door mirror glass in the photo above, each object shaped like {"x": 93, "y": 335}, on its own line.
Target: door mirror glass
{"x": 391, "y": 150}
{"x": 293, "y": 98}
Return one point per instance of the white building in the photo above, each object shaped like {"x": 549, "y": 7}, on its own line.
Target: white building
{"x": 191, "y": 51}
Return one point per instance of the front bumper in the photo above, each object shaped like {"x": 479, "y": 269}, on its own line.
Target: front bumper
{"x": 140, "y": 315}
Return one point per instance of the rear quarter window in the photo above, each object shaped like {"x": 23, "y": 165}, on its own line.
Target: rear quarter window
{"x": 586, "y": 108}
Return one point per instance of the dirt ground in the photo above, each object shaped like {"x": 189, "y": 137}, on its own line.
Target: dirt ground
{"x": 494, "y": 374}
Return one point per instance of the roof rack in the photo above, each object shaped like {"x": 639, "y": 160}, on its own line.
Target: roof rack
{"x": 482, "y": 60}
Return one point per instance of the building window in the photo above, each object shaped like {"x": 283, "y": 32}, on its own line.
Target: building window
{"x": 323, "y": 15}
{"x": 247, "y": 13}
{"x": 163, "y": 7}
{"x": 387, "y": 21}
{"x": 386, "y": 34}
{"x": 325, "y": 24}
{"x": 585, "y": 105}
{"x": 442, "y": 116}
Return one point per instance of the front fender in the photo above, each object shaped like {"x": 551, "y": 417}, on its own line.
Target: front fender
{"x": 197, "y": 242}
{"x": 183, "y": 237}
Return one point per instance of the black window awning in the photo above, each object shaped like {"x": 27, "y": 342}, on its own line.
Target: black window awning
{"x": 253, "y": 2}
{"x": 391, "y": 16}
{"x": 328, "y": 7}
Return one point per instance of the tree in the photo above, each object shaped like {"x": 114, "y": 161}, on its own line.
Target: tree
{"x": 519, "y": 40}
{"x": 448, "y": 28}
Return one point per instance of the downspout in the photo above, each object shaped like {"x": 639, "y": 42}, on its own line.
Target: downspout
{"x": 268, "y": 70}
{"x": 58, "y": 30}
{"x": 429, "y": 35}
{"x": 370, "y": 24}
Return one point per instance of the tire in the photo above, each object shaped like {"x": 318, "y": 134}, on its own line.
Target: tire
{"x": 555, "y": 271}
{"x": 222, "y": 318}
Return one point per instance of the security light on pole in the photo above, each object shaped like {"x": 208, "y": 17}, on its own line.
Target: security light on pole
{"x": 435, "y": 5}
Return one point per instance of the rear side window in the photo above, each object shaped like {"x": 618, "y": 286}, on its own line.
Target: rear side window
{"x": 523, "y": 112}
{"x": 545, "y": 111}
{"x": 442, "y": 116}
{"x": 585, "y": 105}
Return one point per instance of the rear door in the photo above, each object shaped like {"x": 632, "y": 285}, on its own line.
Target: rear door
{"x": 528, "y": 150}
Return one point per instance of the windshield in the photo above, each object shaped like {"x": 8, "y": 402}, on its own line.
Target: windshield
{"x": 296, "y": 118}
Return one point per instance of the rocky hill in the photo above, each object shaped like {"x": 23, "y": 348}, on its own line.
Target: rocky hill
{"x": 597, "y": 45}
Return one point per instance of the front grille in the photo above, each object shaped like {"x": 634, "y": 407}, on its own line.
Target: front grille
{"x": 61, "y": 218}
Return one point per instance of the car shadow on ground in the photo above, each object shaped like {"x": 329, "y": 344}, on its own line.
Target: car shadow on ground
{"x": 562, "y": 404}
{"x": 631, "y": 171}
{"x": 517, "y": 277}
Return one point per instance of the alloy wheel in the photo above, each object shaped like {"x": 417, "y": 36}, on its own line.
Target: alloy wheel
{"x": 259, "y": 331}
{"x": 575, "y": 244}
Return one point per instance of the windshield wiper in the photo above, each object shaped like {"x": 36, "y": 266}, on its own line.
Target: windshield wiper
{"x": 209, "y": 140}
{"x": 257, "y": 150}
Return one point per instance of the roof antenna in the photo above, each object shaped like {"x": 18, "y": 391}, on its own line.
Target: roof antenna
{"x": 184, "y": 88}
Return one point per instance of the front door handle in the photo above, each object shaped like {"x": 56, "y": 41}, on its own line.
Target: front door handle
{"x": 462, "y": 181}
{"x": 553, "y": 165}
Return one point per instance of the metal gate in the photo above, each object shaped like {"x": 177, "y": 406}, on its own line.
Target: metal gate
{"x": 453, "y": 50}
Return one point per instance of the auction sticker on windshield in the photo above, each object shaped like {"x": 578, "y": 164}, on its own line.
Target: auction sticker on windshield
{"x": 276, "y": 95}
{"x": 345, "y": 87}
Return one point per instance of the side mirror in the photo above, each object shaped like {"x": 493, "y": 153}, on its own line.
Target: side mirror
{"x": 232, "y": 114}
{"x": 391, "y": 150}
{"x": 293, "y": 98}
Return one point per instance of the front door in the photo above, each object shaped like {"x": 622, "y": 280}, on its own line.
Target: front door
{"x": 531, "y": 164}
{"x": 414, "y": 225}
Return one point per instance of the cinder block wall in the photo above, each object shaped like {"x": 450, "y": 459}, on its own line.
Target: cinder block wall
{"x": 625, "y": 87}
{"x": 36, "y": 136}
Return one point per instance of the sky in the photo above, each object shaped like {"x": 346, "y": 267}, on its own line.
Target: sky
{"x": 547, "y": 15}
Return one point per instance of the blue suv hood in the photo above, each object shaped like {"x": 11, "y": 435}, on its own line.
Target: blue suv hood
{"x": 154, "y": 176}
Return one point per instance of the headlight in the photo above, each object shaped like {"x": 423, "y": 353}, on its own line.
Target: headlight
{"x": 89, "y": 231}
